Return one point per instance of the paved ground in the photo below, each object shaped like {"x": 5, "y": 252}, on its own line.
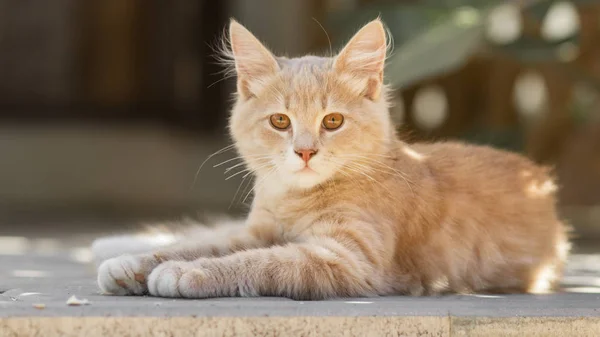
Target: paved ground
{"x": 37, "y": 277}
{"x": 50, "y": 279}
{"x": 58, "y": 278}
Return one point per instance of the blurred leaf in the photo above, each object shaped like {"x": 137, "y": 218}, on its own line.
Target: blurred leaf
{"x": 535, "y": 50}
{"x": 539, "y": 9}
{"x": 437, "y": 50}
{"x": 404, "y": 21}
{"x": 580, "y": 114}
{"x": 453, "y": 4}
{"x": 577, "y": 73}
{"x": 434, "y": 37}
{"x": 509, "y": 139}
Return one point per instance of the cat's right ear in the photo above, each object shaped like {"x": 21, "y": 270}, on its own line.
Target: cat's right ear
{"x": 363, "y": 59}
{"x": 253, "y": 61}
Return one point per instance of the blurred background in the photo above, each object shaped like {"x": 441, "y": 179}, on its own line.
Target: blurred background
{"x": 108, "y": 108}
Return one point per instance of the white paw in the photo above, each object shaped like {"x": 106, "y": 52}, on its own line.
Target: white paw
{"x": 181, "y": 279}
{"x": 124, "y": 275}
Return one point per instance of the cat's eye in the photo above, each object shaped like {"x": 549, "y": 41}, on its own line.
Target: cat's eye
{"x": 333, "y": 121}
{"x": 280, "y": 121}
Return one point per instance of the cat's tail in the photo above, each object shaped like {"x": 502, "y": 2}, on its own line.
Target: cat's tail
{"x": 153, "y": 237}
{"x": 115, "y": 245}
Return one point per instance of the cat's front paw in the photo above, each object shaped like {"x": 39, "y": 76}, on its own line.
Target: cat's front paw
{"x": 125, "y": 275}
{"x": 182, "y": 279}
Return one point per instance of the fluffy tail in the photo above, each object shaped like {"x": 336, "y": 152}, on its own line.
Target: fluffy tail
{"x": 157, "y": 236}
{"x": 112, "y": 246}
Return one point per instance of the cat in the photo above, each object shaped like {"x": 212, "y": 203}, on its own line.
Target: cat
{"x": 343, "y": 208}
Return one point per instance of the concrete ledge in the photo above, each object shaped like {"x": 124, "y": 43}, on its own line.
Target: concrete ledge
{"x": 524, "y": 326}
{"x": 299, "y": 326}
{"x": 226, "y": 326}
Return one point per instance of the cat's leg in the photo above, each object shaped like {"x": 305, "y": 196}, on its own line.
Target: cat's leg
{"x": 127, "y": 274}
{"x": 343, "y": 265}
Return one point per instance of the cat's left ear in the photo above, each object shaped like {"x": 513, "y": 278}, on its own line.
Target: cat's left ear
{"x": 253, "y": 61}
{"x": 363, "y": 59}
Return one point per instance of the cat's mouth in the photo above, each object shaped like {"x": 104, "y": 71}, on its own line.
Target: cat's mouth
{"x": 306, "y": 169}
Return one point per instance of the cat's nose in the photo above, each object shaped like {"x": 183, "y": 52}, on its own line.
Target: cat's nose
{"x": 306, "y": 154}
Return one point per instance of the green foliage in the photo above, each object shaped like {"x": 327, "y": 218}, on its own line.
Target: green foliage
{"x": 434, "y": 37}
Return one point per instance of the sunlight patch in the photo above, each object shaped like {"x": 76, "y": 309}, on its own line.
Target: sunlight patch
{"x": 593, "y": 290}
{"x": 413, "y": 154}
{"x": 544, "y": 279}
{"x": 537, "y": 190}
{"x": 487, "y": 296}
{"x": 29, "y": 273}
{"x": 358, "y": 302}
{"x": 13, "y": 245}
{"x": 81, "y": 255}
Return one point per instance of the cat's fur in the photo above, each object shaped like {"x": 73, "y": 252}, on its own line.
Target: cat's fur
{"x": 374, "y": 216}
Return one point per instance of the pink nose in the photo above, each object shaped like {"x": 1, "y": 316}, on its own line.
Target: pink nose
{"x": 306, "y": 154}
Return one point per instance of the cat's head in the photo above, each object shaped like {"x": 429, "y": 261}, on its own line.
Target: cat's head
{"x": 303, "y": 121}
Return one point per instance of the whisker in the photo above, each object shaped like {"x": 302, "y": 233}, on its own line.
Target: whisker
{"x": 225, "y": 149}
{"x": 249, "y": 170}
{"x": 228, "y": 160}
{"x": 241, "y": 164}
{"x": 233, "y": 167}
{"x": 220, "y": 80}
{"x": 371, "y": 160}
{"x": 344, "y": 173}
{"x": 274, "y": 169}
{"x": 249, "y": 173}
{"x": 250, "y": 184}
{"x": 326, "y": 35}
{"x": 397, "y": 173}
{"x": 363, "y": 168}
{"x": 383, "y": 165}
{"x": 377, "y": 181}
{"x": 238, "y": 190}
{"x": 238, "y": 173}
{"x": 259, "y": 156}
{"x": 355, "y": 170}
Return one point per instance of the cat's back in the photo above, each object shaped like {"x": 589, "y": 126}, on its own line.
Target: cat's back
{"x": 461, "y": 166}
{"x": 493, "y": 188}
{"x": 463, "y": 154}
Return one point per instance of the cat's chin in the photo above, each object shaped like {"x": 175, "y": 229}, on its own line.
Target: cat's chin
{"x": 306, "y": 178}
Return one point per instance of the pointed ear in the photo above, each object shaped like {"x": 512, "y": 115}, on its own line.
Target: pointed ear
{"x": 363, "y": 58}
{"x": 253, "y": 61}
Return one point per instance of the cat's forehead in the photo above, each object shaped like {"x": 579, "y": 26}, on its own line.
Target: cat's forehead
{"x": 307, "y": 63}
{"x": 305, "y": 73}
{"x": 305, "y": 81}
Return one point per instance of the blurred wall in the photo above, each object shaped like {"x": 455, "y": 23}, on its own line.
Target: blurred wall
{"x": 38, "y": 54}
{"x": 285, "y": 26}
{"x": 109, "y": 107}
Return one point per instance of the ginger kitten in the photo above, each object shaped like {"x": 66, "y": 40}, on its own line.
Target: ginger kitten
{"x": 343, "y": 208}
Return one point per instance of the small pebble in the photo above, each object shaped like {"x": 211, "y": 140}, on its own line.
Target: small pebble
{"x": 74, "y": 301}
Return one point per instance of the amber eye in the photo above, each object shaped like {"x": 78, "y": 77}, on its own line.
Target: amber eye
{"x": 280, "y": 121}
{"x": 333, "y": 121}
